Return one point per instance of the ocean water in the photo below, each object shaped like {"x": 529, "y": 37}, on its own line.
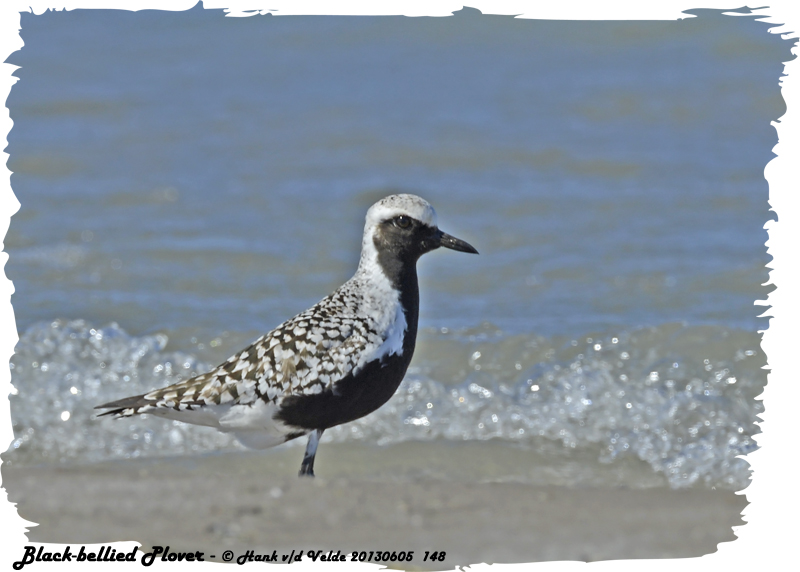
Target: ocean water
{"x": 189, "y": 181}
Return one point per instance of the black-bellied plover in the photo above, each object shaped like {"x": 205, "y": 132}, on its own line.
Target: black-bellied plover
{"x": 336, "y": 362}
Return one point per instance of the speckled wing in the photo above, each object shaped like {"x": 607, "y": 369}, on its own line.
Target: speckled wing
{"x": 303, "y": 356}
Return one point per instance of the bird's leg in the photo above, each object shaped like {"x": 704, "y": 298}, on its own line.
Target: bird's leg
{"x": 307, "y": 467}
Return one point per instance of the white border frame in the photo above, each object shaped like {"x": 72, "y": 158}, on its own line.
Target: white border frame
{"x": 770, "y": 532}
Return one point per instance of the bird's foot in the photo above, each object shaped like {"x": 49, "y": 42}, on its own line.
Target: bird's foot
{"x": 307, "y": 466}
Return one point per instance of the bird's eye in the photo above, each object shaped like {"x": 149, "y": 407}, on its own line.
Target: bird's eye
{"x": 402, "y": 221}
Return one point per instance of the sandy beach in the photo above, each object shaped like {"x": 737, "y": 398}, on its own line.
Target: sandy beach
{"x": 243, "y": 502}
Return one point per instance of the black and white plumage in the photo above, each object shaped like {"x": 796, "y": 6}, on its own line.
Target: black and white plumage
{"x": 336, "y": 362}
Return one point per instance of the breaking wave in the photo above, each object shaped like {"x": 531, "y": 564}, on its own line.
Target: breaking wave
{"x": 682, "y": 398}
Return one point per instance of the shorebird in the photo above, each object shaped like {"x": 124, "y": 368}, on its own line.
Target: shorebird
{"x": 336, "y": 362}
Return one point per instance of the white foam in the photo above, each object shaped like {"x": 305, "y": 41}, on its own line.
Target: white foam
{"x": 610, "y": 400}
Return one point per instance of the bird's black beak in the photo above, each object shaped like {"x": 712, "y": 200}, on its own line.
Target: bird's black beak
{"x": 454, "y": 243}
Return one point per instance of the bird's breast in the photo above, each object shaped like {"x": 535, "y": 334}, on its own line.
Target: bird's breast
{"x": 348, "y": 399}
{"x": 390, "y": 322}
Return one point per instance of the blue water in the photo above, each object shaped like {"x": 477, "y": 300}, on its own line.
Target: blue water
{"x": 204, "y": 178}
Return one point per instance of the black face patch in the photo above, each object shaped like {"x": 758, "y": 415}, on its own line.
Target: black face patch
{"x": 405, "y": 237}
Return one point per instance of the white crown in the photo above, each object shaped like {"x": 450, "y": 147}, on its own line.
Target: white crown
{"x": 396, "y": 205}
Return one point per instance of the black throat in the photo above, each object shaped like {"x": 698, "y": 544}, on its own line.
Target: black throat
{"x": 402, "y": 273}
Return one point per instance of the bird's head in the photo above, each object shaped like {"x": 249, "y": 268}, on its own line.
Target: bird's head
{"x": 403, "y": 228}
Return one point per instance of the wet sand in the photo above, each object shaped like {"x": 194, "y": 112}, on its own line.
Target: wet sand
{"x": 240, "y": 502}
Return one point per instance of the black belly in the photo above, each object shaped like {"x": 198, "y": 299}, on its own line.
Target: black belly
{"x": 351, "y": 397}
